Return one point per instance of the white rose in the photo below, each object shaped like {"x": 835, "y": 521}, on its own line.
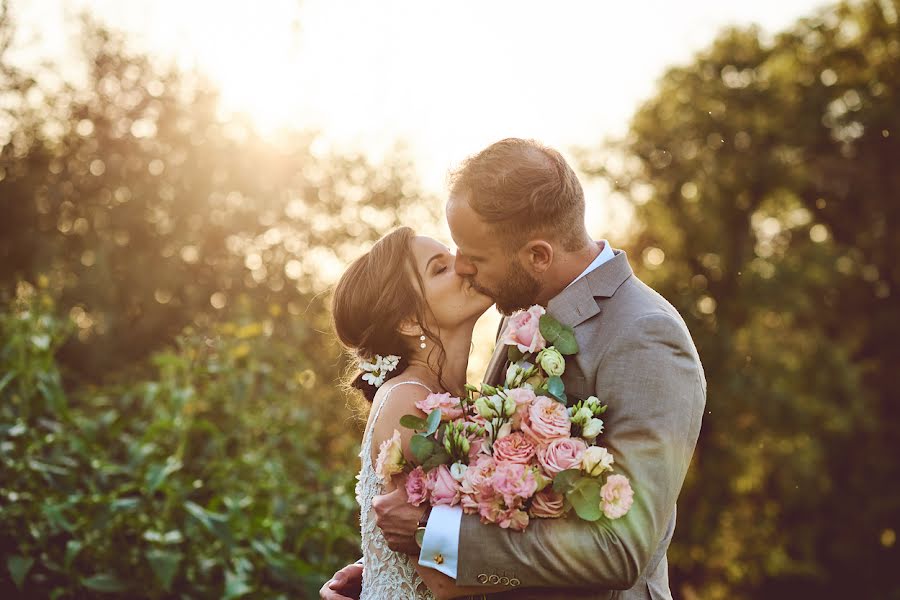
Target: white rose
{"x": 596, "y": 460}
{"x": 593, "y": 428}
{"x": 552, "y": 362}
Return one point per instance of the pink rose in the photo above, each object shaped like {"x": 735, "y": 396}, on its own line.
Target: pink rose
{"x": 548, "y": 504}
{"x": 561, "y": 454}
{"x": 451, "y": 408}
{"x": 617, "y": 496}
{"x": 515, "y": 482}
{"x": 515, "y": 447}
{"x": 545, "y": 421}
{"x": 515, "y": 519}
{"x": 442, "y": 487}
{"x": 417, "y": 486}
{"x": 478, "y": 478}
{"x": 523, "y": 330}
{"x": 523, "y": 397}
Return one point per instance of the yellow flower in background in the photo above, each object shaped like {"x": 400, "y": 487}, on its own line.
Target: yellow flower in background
{"x": 43, "y": 281}
{"x": 228, "y": 328}
{"x": 306, "y": 378}
{"x": 239, "y": 351}
{"x": 275, "y": 310}
{"x": 248, "y": 331}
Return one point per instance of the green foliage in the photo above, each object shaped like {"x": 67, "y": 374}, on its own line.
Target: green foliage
{"x": 558, "y": 335}
{"x": 220, "y": 476}
{"x": 765, "y": 186}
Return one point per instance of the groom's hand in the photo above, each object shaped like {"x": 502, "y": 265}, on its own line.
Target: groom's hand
{"x": 398, "y": 519}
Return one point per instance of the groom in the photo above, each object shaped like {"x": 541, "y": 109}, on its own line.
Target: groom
{"x": 516, "y": 213}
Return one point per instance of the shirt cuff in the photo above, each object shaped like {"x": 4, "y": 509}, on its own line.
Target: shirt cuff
{"x": 440, "y": 546}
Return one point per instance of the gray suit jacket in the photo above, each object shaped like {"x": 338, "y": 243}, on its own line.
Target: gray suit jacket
{"x": 637, "y": 356}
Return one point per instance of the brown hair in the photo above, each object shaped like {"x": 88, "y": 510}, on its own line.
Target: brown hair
{"x": 376, "y": 293}
{"x": 520, "y": 186}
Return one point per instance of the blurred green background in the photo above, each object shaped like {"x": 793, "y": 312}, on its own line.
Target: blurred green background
{"x": 171, "y": 418}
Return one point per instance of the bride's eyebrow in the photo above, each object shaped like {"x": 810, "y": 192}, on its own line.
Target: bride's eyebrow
{"x": 436, "y": 256}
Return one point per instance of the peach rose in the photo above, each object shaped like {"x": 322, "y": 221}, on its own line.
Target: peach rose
{"x": 514, "y": 518}
{"x": 547, "y": 504}
{"x": 515, "y": 447}
{"x": 561, "y": 454}
{"x": 451, "y": 408}
{"x": 417, "y": 487}
{"x": 545, "y": 421}
{"x": 617, "y": 496}
{"x": 390, "y": 459}
{"x": 523, "y": 330}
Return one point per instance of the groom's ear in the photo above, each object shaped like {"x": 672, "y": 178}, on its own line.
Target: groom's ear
{"x": 536, "y": 255}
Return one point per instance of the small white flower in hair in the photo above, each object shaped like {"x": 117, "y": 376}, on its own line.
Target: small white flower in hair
{"x": 377, "y": 371}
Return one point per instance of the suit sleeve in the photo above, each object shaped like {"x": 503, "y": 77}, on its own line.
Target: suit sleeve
{"x": 651, "y": 379}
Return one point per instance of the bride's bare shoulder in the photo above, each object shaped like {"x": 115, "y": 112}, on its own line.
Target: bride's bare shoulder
{"x": 399, "y": 396}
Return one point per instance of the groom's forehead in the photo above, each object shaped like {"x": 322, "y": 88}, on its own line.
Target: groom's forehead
{"x": 467, "y": 228}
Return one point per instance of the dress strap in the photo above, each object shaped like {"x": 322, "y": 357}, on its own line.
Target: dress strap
{"x": 367, "y": 447}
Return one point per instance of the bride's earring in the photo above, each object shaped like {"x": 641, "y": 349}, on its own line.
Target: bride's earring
{"x": 422, "y": 339}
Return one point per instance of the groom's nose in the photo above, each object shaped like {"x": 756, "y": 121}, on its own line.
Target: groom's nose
{"x": 463, "y": 266}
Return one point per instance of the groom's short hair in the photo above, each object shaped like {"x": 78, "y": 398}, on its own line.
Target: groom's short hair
{"x": 521, "y": 186}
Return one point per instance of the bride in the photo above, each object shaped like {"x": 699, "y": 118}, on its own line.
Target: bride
{"x": 403, "y": 298}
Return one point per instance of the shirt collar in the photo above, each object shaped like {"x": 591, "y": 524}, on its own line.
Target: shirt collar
{"x": 605, "y": 254}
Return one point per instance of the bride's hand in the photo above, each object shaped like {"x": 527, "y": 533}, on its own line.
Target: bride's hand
{"x": 398, "y": 519}
{"x": 346, "y": 584}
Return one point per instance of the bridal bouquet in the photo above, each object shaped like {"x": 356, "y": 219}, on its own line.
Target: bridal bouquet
{"x": 517, "y": 451}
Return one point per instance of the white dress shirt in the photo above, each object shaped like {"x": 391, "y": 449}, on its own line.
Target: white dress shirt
{"x": 442, "y": 530}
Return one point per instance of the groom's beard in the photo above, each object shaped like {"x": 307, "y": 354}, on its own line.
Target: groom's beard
{"x": 517, "y": 291}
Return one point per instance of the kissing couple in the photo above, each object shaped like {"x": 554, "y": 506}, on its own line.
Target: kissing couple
{"x": 407, "y": 309}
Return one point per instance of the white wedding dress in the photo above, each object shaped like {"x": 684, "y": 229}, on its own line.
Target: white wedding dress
{"x": 386, "y": 574}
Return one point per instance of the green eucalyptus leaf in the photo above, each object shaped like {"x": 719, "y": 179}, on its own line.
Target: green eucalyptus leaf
{"x": 18, "y": 568}
{"x": 564, "y": 481}
{"x": 514, "y": 354}
{"x": 412, "y": 422}
{"x": 421, "y": 447}
{"x": 585, "y": 499}
{"x": 440, "y": 457}
{"x": 433, "y": 421}
{"x": 558, "y": 335}
{"x": 557, "y": 389}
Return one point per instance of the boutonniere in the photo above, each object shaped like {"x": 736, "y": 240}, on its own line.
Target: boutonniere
{"x": 537, "y": 347}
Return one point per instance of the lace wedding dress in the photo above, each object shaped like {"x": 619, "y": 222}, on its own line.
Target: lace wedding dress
{"x": 386, "y": 574}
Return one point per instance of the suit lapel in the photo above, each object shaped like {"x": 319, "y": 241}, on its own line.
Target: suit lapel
{"x": 584, "y": 299}
{"x": 573, "y": 306}
{"x": 496, "y": 369}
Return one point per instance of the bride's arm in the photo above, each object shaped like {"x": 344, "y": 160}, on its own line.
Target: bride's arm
{"x": 402, "y": 402}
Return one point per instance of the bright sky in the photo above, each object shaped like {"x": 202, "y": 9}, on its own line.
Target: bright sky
{"x": 446, "y": 78}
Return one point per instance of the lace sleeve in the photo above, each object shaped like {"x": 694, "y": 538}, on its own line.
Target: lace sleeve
{"x": 386, "y": 574}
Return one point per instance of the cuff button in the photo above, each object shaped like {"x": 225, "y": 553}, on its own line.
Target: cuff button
{"x": 494, "y": 579}
{"x": 482, "y": 578}
{"x": 504, "y": 581}
{"x": 514, "y": 582}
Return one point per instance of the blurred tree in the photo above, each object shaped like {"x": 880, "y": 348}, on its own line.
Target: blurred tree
{"x": 765, "y": 181}
{"x": 149, "y": 209}
{"x": 147, "y": 219}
